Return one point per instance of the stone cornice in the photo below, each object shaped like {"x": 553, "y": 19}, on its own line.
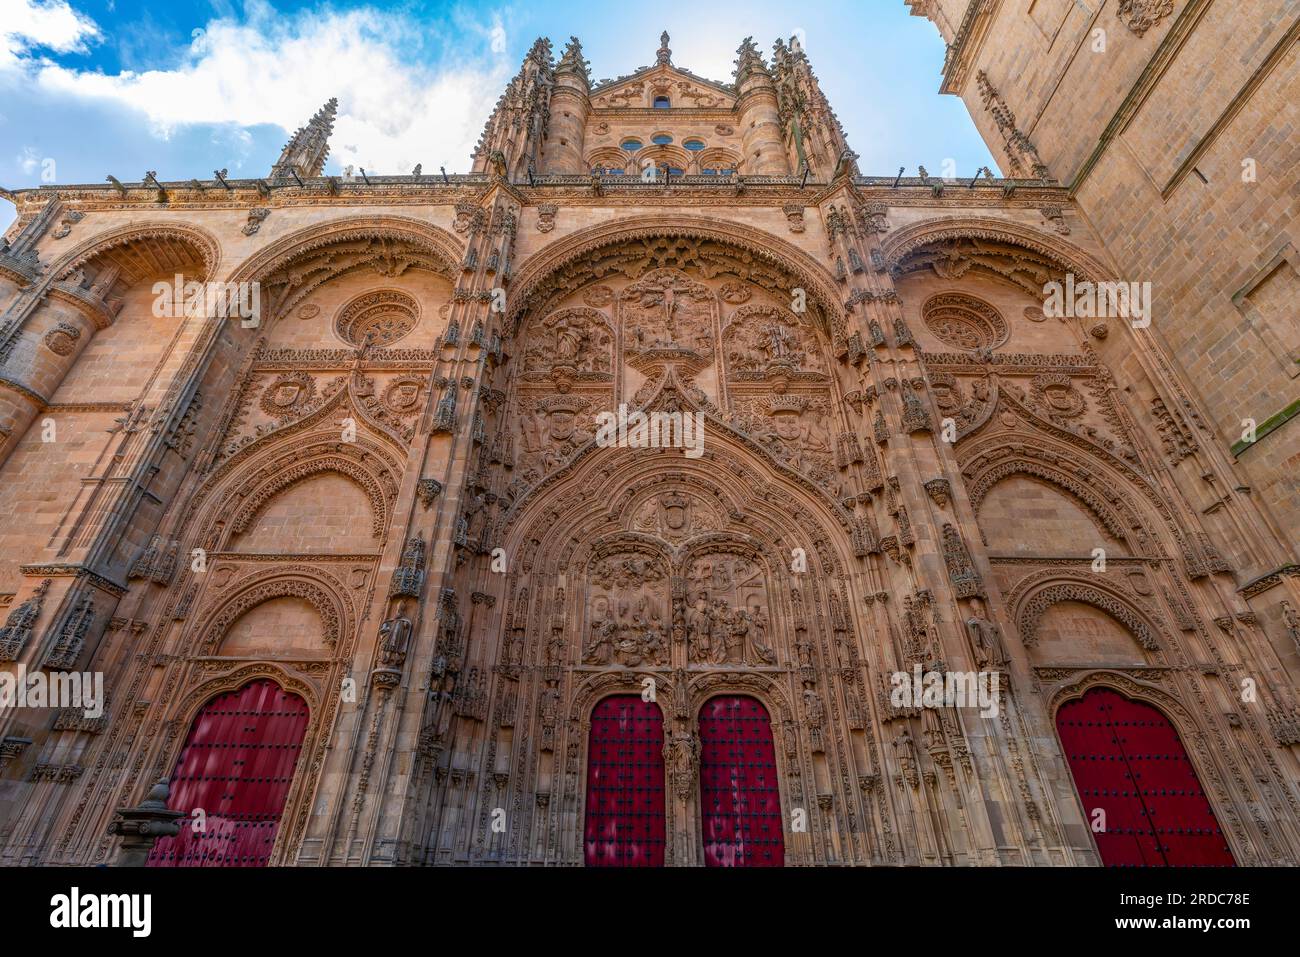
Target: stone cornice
{"x": 966, "y": 44}
{"x": 80, "y": 572}
{"x": 1266, "y": 581}
{"x": 96, "y": 310}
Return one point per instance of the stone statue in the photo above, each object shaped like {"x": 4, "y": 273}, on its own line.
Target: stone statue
{"x": 681, "y": 761}
{"x": 984, "y": 636}
{"x": 395, "y": 639}
{"x": 758, "y": 636}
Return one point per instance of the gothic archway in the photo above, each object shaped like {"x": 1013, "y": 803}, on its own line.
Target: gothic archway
{"x": 1139, "y": 789}
{"x": 625, "y": 807}
{"x": 740, "y": 799}
{"x": 233, "y": 777}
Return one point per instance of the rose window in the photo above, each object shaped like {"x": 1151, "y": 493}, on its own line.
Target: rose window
{"x": 964, "y": 322}
{"x": 378, "y": 318}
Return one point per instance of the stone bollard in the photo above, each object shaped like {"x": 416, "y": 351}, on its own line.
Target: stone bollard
{"x": 139, "y": 827}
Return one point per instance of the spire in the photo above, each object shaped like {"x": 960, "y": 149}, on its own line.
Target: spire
{"x": 309, "y": 147}
{"x": 540, "y": 54}
{"x": 748, "y": 60}
{"x": 664, "y": 55}
{"x": 572, "y": 61}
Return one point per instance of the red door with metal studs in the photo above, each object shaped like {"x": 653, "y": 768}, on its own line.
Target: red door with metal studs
{"x": 236, "y": 767}
{"x": 1128, "y": 762}
{"x": 740, "y": 804}
{"x": 625, "y": 824}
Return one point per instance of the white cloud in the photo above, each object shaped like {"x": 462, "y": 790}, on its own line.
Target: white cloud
{"x": 27, "y": 25}
{"x": 394, "y": 109}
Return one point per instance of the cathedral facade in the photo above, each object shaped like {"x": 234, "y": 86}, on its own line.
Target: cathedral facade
{"x": 368, "y": 584}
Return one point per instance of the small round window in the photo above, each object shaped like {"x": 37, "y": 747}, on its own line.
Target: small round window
{"x": 661, "y": 139}
{"x": 694, "y": 145}
{"x": 631, "y": 145}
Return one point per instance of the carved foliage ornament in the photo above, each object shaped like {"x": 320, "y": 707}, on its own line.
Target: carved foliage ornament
{"x": 1141, "y": 15}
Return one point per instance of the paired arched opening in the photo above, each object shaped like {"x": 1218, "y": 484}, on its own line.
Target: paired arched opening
{"x": 1140, "y": 792}
{"x": 233, "y": 777}
{"x": 628, "y": 767}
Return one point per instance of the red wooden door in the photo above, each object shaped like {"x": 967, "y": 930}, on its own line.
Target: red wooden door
{"x": 740, "y": 805}
{"x": 236, "y": 766}
{"x": 1128, "y": 761}
{"x": 625, "y": 784}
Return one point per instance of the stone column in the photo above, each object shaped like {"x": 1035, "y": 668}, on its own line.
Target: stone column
{"x": 760, "y": 126}
{"x": 568, "y": 125}
{"x": 46, "y": 348}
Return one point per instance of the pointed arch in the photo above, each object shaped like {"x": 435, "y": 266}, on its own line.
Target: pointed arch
{"x": 200, "y": 242}
{"x": 1064, "y": 255}
{"x": 1031, "y": 599}
{"x": 322, "y": 592}
{"x": 1149, "y": 771}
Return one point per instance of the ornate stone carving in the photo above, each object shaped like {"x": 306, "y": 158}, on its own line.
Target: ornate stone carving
{"x": 256, "y": 216}
{"x": 377, "y": 318}
{"x": 1141, "y": 15}
{"x": 962, "y": 321}
{"x": 21, "y": 622}
{"x": 71, "y": 637}
{"x": 62, "y": 339}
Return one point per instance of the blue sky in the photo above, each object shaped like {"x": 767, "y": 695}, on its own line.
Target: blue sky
{"x": 91, "y": 87}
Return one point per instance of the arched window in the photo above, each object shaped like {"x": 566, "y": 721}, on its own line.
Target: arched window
{"x": 236, "y": 766}
{"x": 625, "y": 784}
{"x": 740, "y": 804}
{"x": 662, "y": 103}
{"x": 1140, "y": 793}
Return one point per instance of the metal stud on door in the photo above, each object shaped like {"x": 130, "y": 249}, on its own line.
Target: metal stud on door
{"x": 625, "y": 784}
{"x": 740, "y": 803}
{"x": 236, "y": 767}
{"x": 1129, "y": 764}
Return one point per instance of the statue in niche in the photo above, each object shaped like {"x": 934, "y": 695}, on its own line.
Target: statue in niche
{"x": 600, "y": 648}
{"x": 697, "y": 630}
{"x": 395, "y": 638}
{"x": 758, "y": 628}
{"x": 985, "y": 638}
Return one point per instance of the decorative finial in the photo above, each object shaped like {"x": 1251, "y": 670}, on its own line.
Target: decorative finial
{"x": 664, "y": 54}
{"x": 748, "y": 60}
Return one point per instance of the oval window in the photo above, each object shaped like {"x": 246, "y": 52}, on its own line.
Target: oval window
{"x": 631, "y": 145}
{"x": 661, "y": 139}
{"x": 694, "y": 145}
